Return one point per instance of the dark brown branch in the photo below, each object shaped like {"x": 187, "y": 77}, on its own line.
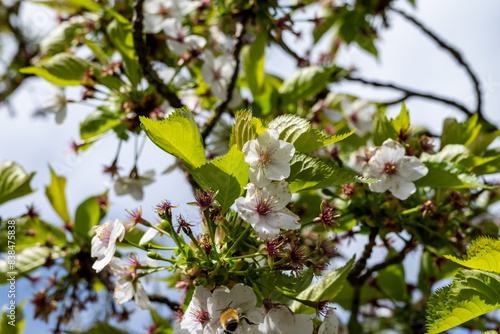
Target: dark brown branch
{"x": 240, "y": 32}
{"x": 141, "y": 51}
{"x": 453, "y": 52}
{"x": 164, "y": 300}
{"x": 361, "y": 263}
{"x": 409, "y": 93}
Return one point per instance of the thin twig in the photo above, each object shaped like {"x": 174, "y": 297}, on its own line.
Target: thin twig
{"x": 141, "y": 51}
{"x": 164, "y": 300}
{"x": 240, "y": 32}
{"x": 453, "y": 52}
{"x": 410, "y": 93}
{"x": 361, "y": 263}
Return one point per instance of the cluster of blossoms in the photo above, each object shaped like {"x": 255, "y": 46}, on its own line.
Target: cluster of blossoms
{"x": 390, "y": 164}
{"x": 234, "y": 311}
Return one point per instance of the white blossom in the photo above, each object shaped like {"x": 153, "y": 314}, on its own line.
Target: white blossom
{"x": 330, "y": 324}
{"x": 196, "y": 317}
{"x": 180, "y": 40}
{"x": 359, "y": 115}
{"x": 128, "y": 285}
{"x": 150, "y": 234}
{"x": 265, "y": 209}
{"x": 216, "y": 72}
{"x": 133, "y": 185}
{"x": 395, "y": 170}
{"x": 104, "y": 242}
{"x": 56, "y": 103}
{"x": 156, "y": 12}
{"x": 282, "y": 320}
{"x": 268, "y": 157}
{"x": 241, "y": 298}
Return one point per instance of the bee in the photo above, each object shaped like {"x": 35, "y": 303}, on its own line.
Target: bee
{"x": 230, "y": 319}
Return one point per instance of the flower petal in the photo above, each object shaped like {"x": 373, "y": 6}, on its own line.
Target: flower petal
{"x": 402, "y": 189}
{"x": 257, "y": 176}
{"x": 412, "y": 168}
{"x": 277, "y": 170}
{"x": 141, "y": 297}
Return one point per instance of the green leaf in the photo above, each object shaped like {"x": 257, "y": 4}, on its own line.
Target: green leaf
{"x": 55, "y": 194}
{"x": 31, "y": 231}
{"x": 305, "y": 82}
{"x": 307, "y": 172}
{"x": 97, "y": 51}
{"x": 382, "y": 129}
{"x": 402, "y": 122}
{"x": 391, "y": 280}
{"x": 278, "y": 285}
{"x": 329, "y": 286}
{"x": 63, "y": 69}
{"x": 177, "y": 135}
{"x": 449, "y": 175}
{"x": 253, "y": 64}
{"x": 244, "y": 129}
{"x": 227, "y": 175}
{"x": 87, "y": 214}
{"x": 299, "y": 132}
{"x": 59, "y": 39}
{"x": 460, "y": 133}
{"x": 98, "y": 123}
{"x": 483, "y": 254}
{"x": 14, "y": 181}
{"x": 450, "y": 153}
{"x": 27, "y": 260}
{"x": 472, "y": 293}
{"x": 120, "y": 34}
{"x": 15, "y": 323}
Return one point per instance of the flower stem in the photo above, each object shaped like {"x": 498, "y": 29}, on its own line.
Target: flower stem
{"x": 248, "y": 256}
{"x": 233, "y": 247}
{"x": 191, "y": 236}
{"x": 211, "y": 234}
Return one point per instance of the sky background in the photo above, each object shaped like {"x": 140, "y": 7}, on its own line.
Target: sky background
{"x": 406, "y": 56}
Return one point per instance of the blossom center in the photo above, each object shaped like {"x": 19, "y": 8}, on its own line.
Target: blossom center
{"x": 390, "y": 168}
{"x": 200, "y": 315}
{"x": 104, "y": 232}
{"x": 264, "y": 206}
{"x": 179, "y": 37}
{"x": 265, "y": 156}
{"x": 217, "y": 74}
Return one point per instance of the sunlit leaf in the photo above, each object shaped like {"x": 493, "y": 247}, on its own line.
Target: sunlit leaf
{"x": 14, "y": 181}
{"x": 56, "y": 195}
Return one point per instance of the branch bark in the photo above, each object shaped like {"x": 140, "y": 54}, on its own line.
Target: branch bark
{"x": 164, "y": 300}
{"x": 240, "y": 32}
{"x": 141, "y": 52}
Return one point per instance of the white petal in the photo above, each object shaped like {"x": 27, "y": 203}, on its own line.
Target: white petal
{"x": 381, "y": 186}
{"x": 391, "y": 151}
{"x": 257, "y": 176}
{"x": 141, "y": 297}
{"x": 281, "y": 193}
{"x": 268, "y": 140}
{"x": 412, "y": 168}
{"x": 124, "y": 291}
{"x": 330, "y": 325}
{"x": 277, "y": 170}
{"x": 252, "y": 152}
{"x": 264, "y": 230}
{"x": 243, "y": 297}
{"x": 150, "y": 234}
{"x": 177, "y": 47}
{"x": 284, "y": 152}
{"x": 195, "y": 42}
{"x": 402, "y": 190}
{"x": 284, "y": 219}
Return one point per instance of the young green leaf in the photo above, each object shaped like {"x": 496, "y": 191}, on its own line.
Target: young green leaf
{"x": 460, "y": 133}
{"x": 483, "y": 254}
{"x": 253, "y": 64}
{"x": 59, "y": 39}
{"x": 178, "y": 135}
{"x": 227, "y": 175}
{"x": 299, "y": 132}
{"x": 449, "y": 175}
{"x": 305, "y": 82}
{"x": 98, "y": 123}
{"x": 19, "y": 320}
{"x": 402, "y": 122}
{"x": 14, "y": 181}
{"x": 243, "y": 129}
{"x": 382, "y": 129}
{"x": 329, "y": 286}
{"x": 87, "y": 214}
{"x": 472, "y": 293}
{"x": 307, "y": 172}
{"x": 57, "y": 197}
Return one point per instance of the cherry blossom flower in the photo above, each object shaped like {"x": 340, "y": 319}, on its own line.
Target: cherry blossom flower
{"x": 241, "y": 298}
{"x": 268, "y": 157}
{"x": 330, "y": 324}
{"x": 56, "y": 103}
{"x": 150, "y": 234}
{"x": 128, "y": 284}
{"x": 395, "y": 170}
{"x": 180, "y": 41}
{"x": 265, "y": 209}
{"x": 196, "y": 317}
{"x": 216, "y": 72}
{"x": 133, "y": 185}
{"x": 104, "y": 242}
{"x": 282, "y": 320}
{"x": 359, "y": 115}
{"x": 157, "y": 11}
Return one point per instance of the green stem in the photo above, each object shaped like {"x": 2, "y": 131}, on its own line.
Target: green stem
{"x": 248, "y": 256}
{"x": 126, "y": 241}
{"x": 191, "y": 236}
{"x": 144, "y": 273}
{"x": 211, "y": 234}
{"x": 409, "y": 211}
{"x": 161, "y": 247}
{"x": 233, "y": 247}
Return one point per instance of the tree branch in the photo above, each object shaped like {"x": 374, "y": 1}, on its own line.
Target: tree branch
{"x": 164, "y": 300}
{"x": 453, "y": 52}
{"x": 409, "y": 93}
{"x": 240, "y": 32}
{"x": 361, "y": 263}
{"x": 141, "y": 51}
